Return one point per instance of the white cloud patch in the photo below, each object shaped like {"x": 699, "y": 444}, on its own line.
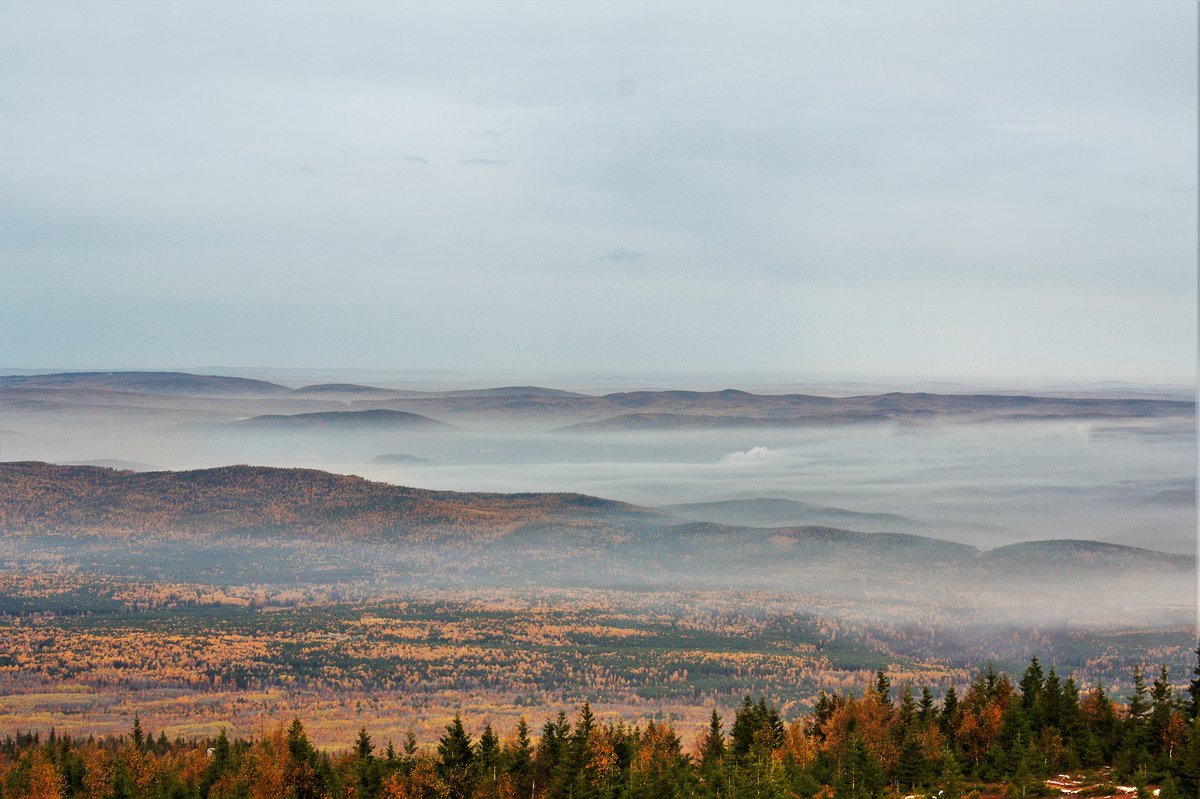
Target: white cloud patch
{"x": 752, "y": 455}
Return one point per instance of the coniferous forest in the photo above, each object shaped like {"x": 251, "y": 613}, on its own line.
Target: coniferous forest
{"x": 1039, "y": 735}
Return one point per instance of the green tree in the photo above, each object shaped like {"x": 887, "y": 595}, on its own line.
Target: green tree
{"x": 487, "y": 758}
{"x": 367, "y": 774}
{"x": 925, "y": 707}
{"x": 455, "y": 759}
{"x": 136, "y": 734}
{"x": 302, "y": 763}
{"x": 883, "y": 686}
{"x": 910, "y": 766}
{"x": 859, "y": 775}
{"x": 949, "y": 708}
{"x": 1193, "y": 706}
{"x": 519, "y": 757}
{"x": 1162, "y": 706}
{"x": 712, "y": 757}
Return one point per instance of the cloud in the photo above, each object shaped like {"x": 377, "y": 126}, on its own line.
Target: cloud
{"x": 752, "y": 455}
{"x": 492, "y": 132}
{"x": 1048, "y": 222}
{"x": 621, "y": 254}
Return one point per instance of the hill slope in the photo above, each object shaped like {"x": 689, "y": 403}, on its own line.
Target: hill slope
{"x": 234, "y": 500}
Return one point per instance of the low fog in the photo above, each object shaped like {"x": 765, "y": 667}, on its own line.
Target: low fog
{"x": 986, "y": 484}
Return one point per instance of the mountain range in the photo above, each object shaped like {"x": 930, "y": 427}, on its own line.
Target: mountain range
{"x": 189, "y": 397}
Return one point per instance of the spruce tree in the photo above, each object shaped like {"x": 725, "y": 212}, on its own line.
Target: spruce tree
{"x": 136, "y": 734}
{"x": 949, "y": 708}
{"x": 950, "y": 781}
{"x": 908, "y": 708}
{"x": 520, "y": 758}
{"x": 1031, "y": 693}
{"x": 488, "y": 754}
{"x": 366, "y": 770}
{"x": 712, "y": 747}
{"x": 925, "y": 707}
{"x": 1052, "y": 700}
{"x": 910, "y": 766}
{"x": 455, "y": 758}
{"x": 1162, "y": 705}
{"x": 745, "y": 724}
{"x": 1193, "y": 706}
{"x": 883, "y": 686}
{"x": 859, "y": 775}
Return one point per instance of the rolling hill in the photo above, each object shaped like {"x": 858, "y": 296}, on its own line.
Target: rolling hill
{"x": 147, "y": 383}
{"x": 587, "y": 532}
{"x": 342, "y": 420}
{"x": 178, "y": 392}
{"x": 769, "y": 512}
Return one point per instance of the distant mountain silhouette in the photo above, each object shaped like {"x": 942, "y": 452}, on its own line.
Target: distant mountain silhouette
{"x": 342, "y": 420}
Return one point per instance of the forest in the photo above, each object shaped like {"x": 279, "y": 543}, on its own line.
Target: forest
{"x": 1041, "y": 735}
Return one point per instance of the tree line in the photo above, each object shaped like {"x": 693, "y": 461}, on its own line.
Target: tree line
{"x": 884, "y": 742}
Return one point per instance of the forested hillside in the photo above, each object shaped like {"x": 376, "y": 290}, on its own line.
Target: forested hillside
{"x": 997, "y": 738}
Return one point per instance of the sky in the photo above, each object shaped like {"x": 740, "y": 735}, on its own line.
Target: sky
{"x": 986, "y": 190}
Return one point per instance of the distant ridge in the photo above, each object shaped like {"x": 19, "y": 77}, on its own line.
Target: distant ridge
{"x": 342, "y": 388}
{"x": 771, "y": 512}
{"x": 148, "y": 383}
{"x": 1053, "y": 554}
{"x": 570, "y": 411}
{"x": 342, "y": 420}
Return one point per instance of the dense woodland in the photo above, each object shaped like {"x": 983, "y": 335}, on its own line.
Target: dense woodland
{"x": 996, "y": 737}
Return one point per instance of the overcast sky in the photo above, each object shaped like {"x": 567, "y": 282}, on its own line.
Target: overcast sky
{"x": 940, "y": 190}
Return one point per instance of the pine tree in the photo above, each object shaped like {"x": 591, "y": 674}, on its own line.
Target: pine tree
{"x": 455, "y": 758}
{"x": 488, "y": 754}
{"x": 712, "y": 756}
{"x": 883, "y": 686}
{"x": 366, "y": 769}
{"x": 1052, "y": 700}
{"x": 1071, "y": 723}
{"x": 1031, "y": 693}
{"x": 910, "y": 767}
{"x": 745, "y": 724}
{"x": 1194, "y": 688}
{"x": 220, "y": 763}
{"x": 1135, "y": 738}
{"x": 1162, "y": 704}
{"x": 520, "y": 758}
{"x": 363, "y": 748}
{"x": 299, "y": 748}
{"x": 1138, "y": 706}
{"x": 138, "y": 737}
{"x": 908, "y": 708}
{"x": 951, "y": 779}
{"x": 925, "y": 707}
{"x": 822, "y": 710}
{"x": 949, "y": 708}
{"x": 1188, "y": 769}
{"x": 712, "y": 745}
{"x": 772, "y": 723}
{"x": 302, "y": 763}
{"x": 551, "y": 747}
{"x": 859, "y": 775}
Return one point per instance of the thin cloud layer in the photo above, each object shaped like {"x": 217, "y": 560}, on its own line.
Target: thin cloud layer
{"x": 920, "y": 188}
